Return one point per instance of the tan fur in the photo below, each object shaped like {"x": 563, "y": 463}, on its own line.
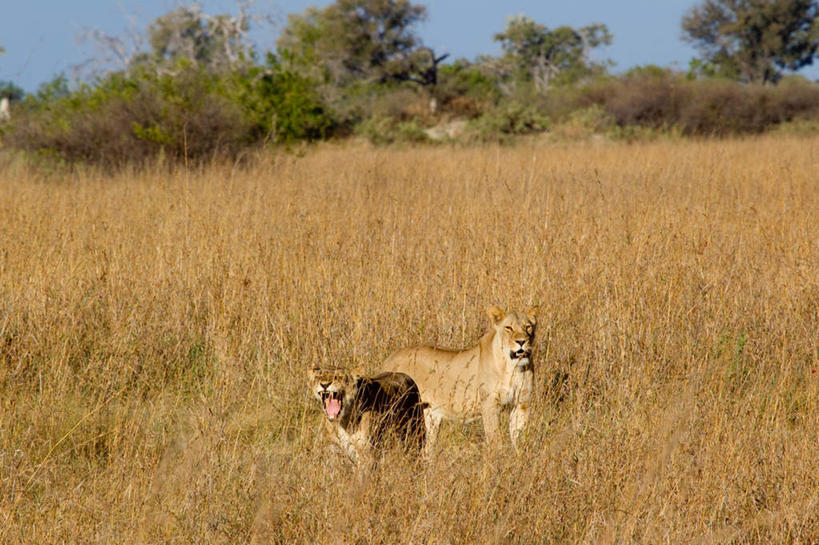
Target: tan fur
{"x": 477, "y": 382}
{"x": 376, "y": 412}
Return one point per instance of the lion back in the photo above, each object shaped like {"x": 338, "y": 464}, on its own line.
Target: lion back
{"x": 398, "y": 413}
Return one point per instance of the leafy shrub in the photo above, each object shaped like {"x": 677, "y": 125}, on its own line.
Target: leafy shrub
{"x": 186, "y": 113}
{"x": 132, "y": 118}
{"x": 507, "y": 119}
{"x": 584, "y": 123}
{"x": 390, "y": 130}
{"x": 281, "y": 104}
{"x": 464, "y": 90}
{"x": 10, "y": 91}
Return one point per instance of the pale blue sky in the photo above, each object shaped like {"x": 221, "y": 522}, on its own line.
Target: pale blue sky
{"x": 40, "y": 36}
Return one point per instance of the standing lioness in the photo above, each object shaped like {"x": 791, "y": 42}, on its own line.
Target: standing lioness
{"x": 477, "y": 382}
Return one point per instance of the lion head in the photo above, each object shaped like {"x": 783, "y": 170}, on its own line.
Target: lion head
{"x": 515, "y": 331}
{"x": 335, "y": 388}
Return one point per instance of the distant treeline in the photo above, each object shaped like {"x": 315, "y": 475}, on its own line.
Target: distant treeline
{"x": 357, "y": 67}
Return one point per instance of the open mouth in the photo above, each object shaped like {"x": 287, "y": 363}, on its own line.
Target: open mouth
{"x": 520, "y": 355}
{"x": 332, "y": 404}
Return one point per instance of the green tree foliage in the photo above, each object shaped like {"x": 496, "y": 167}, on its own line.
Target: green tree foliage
{"x": 195, "y": 89}
{"x": 197, "y": 94}
{"x": 134, "y": 116}
{"x": 542, "y": 56}
{"x": 50, "y": 92}
{"x": 353, "y": 41}
{"x": 465, "y": 89}
{"x": 753, "y": 40}
{"x": 11, "y": 91}
{"x": 283, "y": 105}
{"x": 185, "y": 113}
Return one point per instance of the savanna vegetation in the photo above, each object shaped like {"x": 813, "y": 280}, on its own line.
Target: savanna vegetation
{"x": 156, "y": 327}
{"x": 174, "y": 259}
{"x": 191, "y": 87}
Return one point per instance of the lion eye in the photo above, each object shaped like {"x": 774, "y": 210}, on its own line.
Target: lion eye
{"x": 508, "y": 328}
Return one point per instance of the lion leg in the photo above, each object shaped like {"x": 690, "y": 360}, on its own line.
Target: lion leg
{"x": 362, "y": 442}
{"x": 491, "y": 423}
{"x": 517, "y": 421}
{"x": 432, "y": 422}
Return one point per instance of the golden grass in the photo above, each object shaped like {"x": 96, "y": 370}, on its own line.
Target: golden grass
{"x": 155, "y": 331}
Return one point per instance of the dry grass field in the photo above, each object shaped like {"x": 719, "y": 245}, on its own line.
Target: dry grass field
{"x": 156, "y": 330}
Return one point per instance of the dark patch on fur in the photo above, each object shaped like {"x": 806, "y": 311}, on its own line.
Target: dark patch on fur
{"x": 398, "y": 413}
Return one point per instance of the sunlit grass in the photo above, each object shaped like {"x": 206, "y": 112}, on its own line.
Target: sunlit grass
{"x": 156, "y": 330}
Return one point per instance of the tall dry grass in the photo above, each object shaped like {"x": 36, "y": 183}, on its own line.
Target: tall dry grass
{"x": 155, "y": 330}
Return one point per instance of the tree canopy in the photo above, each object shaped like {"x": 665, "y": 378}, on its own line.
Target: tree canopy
{"x": 355, "y": 40}
{"x": 216, "y": 42}
{"x": 539, "y": 54}
{"x": 754, "y": 40}
{"x": 11, "y": 91}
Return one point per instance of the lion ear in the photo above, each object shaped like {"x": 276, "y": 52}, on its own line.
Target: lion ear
{"x": 357, "y": 378}
{"x": 532, "y": 313}
{"x": 496, "y": 314}
{"x": 356, "y": 373}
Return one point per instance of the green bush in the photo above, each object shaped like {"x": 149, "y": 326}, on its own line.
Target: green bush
{"x": 464, "y": 90}
{"x": 584, "y": 123}
{"x": 11, "y": 91}
{"x": 131, "y": 118}
{"x": 282, "y": 105}
{"x": 390, "y": 130}
{"x": 185, "y": 113}
{"x": 510, "y": 118}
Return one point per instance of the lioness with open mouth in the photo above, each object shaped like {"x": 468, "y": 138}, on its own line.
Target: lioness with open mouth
{"x": 477, "y": 382}
{"x": 363, "y": 415}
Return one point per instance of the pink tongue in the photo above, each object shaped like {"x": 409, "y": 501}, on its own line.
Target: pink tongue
{"x": 332, "y": 406}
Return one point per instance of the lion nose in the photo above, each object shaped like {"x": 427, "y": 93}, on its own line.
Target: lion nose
{"x": 324, "y": 385}
{"x": 521, "y": 342}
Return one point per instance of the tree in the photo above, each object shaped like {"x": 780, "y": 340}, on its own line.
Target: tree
{"x": 538, "y": 54}
{"x": 283, "y": 105}
{"x": 359, "y": 40}
{"x": 11, "y": 91}
{"x": 754, "y": 40}
{"x": 217, "y": 43}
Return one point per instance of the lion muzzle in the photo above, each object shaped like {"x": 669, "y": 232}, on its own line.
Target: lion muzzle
{"x": 519, "y": 355}
{"x": 332, "y": 404}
